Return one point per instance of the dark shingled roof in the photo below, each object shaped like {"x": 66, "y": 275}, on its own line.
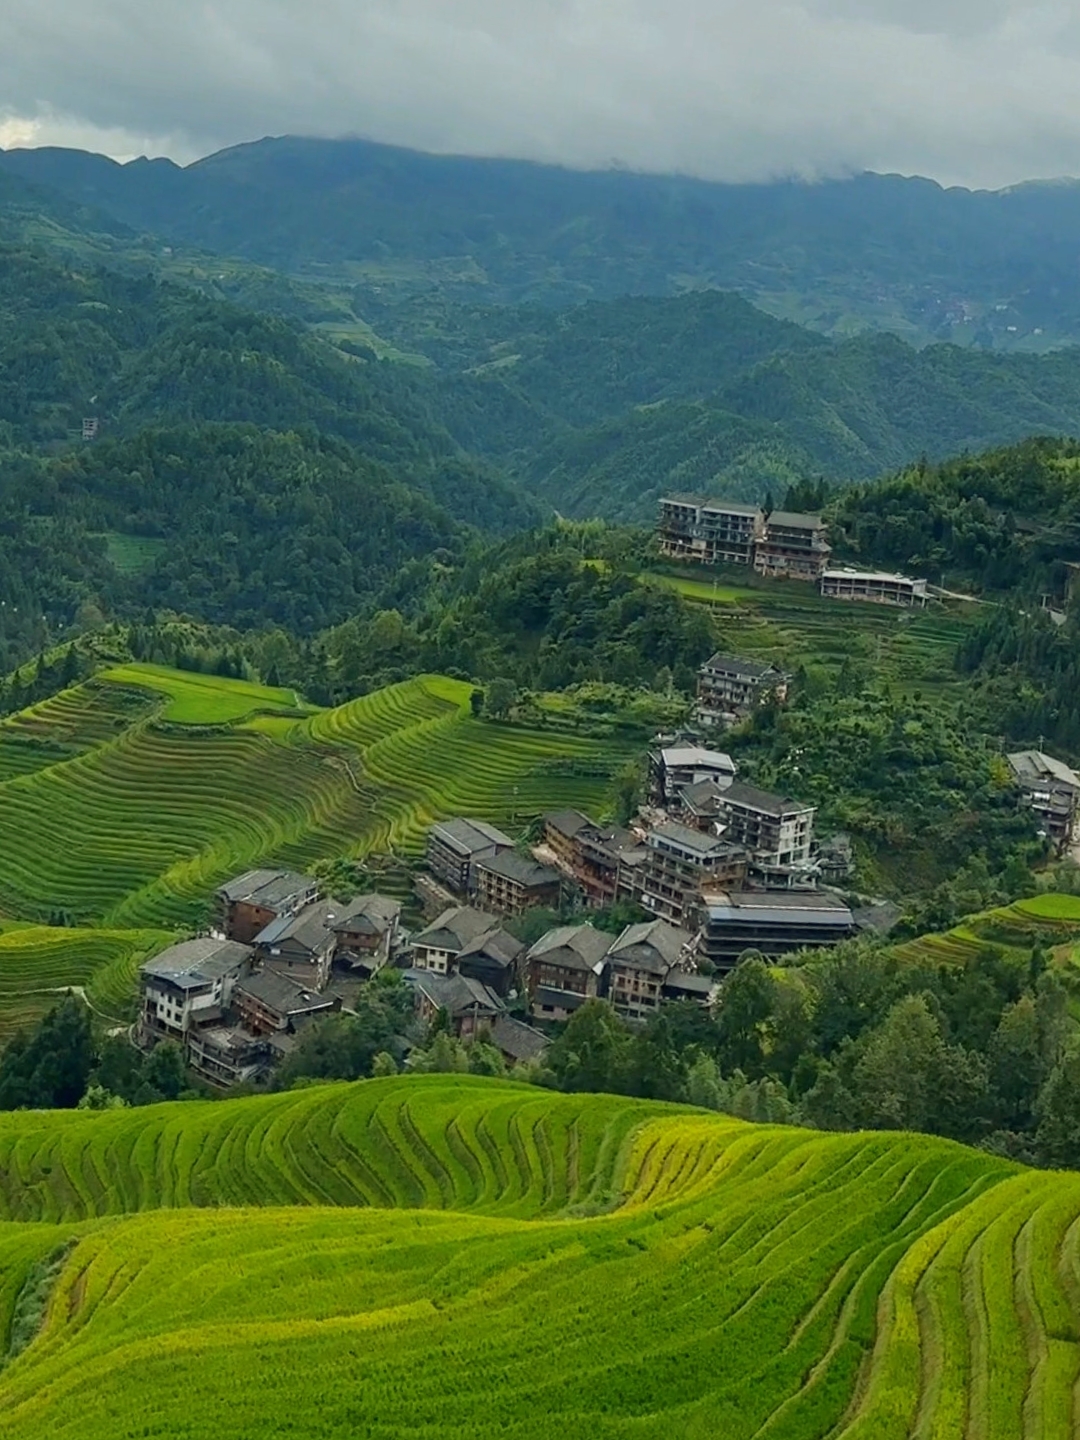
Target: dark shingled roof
{"x": 456, "y": 994}
{"x": 368, "y": 914}
{"x": 791, "y": 520}
{"x": 518, "y": 1040}
{"x": 573, "y": 947}
{"x": 653, "y": 945}
{"x": 469, "y": 837}
{"x": 749, "y": 669}
{"x": 197, "y": 962}
{"x": 567, "y": 822}
{"x": 513, "y": 866}
{"x": 310, "y": 928}
{"x": 496, "y": 945}
{"x": 268, "y": 888}
{"x": 279, "y": 992}
{"x": 764, "y": 800}
{"x": 455, "y": 928}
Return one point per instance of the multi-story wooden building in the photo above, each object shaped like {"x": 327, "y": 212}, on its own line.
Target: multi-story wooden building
{"x": 774, "y": 923}
{"x": 455, "y": 846}
{"x": 708, "y": 532}
{"x": 603, "y": 861}
{"x": 510, "y": 884}
{"x": 249, "y": 903}
{"x": 793, "y": 545}
{"x": 566, "y": 967}
{"x": 366, "y": 932}
{"x": 640, "y": 962}
{"x": 681, "y": 863}
{"x": 730, "y": 688}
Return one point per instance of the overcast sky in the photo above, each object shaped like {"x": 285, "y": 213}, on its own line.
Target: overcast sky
{"x": 983, "y": 92}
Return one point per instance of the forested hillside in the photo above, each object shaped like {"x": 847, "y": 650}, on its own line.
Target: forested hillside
{"x": 877, "y": 250}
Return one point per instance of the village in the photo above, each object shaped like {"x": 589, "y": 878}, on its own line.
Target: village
{"x": 710, "y": 868}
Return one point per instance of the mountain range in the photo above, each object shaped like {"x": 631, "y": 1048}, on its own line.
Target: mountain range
{"x": 884, "y": 251}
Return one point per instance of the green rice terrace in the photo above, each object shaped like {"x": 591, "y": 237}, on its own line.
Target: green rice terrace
{"x": 458, "y": 1257}
{"x": 789, "y": 623}
{"x": 126, "y": 800}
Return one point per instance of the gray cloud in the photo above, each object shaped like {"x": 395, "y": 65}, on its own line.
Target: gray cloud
{"x": 969, "y": 91}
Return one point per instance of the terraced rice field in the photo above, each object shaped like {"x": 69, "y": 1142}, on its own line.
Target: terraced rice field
{"x": 37, "y": 963}
{"x": 452, "y": 1257}
{"x": 1052, "y": 920}
{"x": 790, "y": 624}
{"x": 124, "y": 802}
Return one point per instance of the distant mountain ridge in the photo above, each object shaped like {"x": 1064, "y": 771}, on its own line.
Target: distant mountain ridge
{"x": 881, "y": 251}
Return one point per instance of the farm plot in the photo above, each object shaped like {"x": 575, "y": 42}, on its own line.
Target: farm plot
{"x": 38, "y": 963}
{"x": 130, "y": 820}
{"x": 459, "y": 1257}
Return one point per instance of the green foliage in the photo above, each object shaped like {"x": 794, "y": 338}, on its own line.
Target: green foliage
{"x": 50, "y": 1067}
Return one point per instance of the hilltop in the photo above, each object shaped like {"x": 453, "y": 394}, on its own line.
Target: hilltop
{"x": 479, "y": 1258}
{"x": 881, "y": 250}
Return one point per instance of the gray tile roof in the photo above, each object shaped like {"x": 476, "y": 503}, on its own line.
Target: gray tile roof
{"x": 268, "y": 888}
{"x": 496, "y": 945}
{"x": 791, "y": 520}
{"x": 512, "y": 866}
{"x": 733, "y": 665}
{"x": 310, "y": 928}
{"x": 455, "y": 928}
{"x": 518, "y": 1040}
{"x": 370, "y": 914}
{"x": 572, "y": 947}
{"x": 698, "y": 841}
{"x": 194, "y": 963}
{"x": 456, "y": 994}
{"x": 763, "y": 800}
{"x": 282, "y": 993}
{"x": 468, "y": 837}
{"x": 653, "y": 945}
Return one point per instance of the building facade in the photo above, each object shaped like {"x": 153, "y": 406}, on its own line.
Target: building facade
{"x": 730, "y": 688}
{"x": 777, "y": 833}
{"x": 640, "y": 963}
{"x": 877, "y": 588}
{"x": 1051, "y": 789}
{"x": 454, "y": 847}
{"x": 249, "y": 903}
{"x": 673, "y": 767}
{"x": 793, "y": 546}
{"x": 774, "y": 924}
{"x": 601, "y": 860}
{"x": 708, "y": 532}
{"x": 682, "y": 863}
{"x": 566, "y": 967}
{"x": 509, "y": 884}
{"x": 188, "y": 985}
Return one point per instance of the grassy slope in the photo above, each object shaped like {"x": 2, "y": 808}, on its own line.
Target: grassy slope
{"x": 458, "y": 1257}
{"x": 126, "y": 800}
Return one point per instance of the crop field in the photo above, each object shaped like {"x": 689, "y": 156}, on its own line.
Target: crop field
{"x": 37, "y": 963}
{"x": 789, "y": 624}
{"x": 455, "y": 1257}
{"x": 125, "y": 801}
{"x": 1052, "y": 921}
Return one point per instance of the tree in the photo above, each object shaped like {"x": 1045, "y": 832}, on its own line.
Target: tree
{"x": 50, "y": 1067}
{"x": 590, "y": 1054}
{"x": 500, "y": 697}
{"x": 476, "y": 703}
{"x": 164, "y": 1072}
{"x": 1057, "y": 1139}
{"x": 746, "y": 1007}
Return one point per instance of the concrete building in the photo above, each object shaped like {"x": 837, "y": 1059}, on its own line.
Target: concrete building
{"x": 708, "y": 532}
{"x": 681, "y": 864}
{"x": 672, "y": 767}
{"x": 793, "y": 546}
{"x": 188, "y": 985}
{"x": 454, "y": 847}
{"x": 777, "y": 832}
{"x": 1051, "y": 790}
{"x": 876, "y": 587}
{"x": 773, "y": 923}
{"x": 566, "y": 967}
{"x": 730, "y": 688}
